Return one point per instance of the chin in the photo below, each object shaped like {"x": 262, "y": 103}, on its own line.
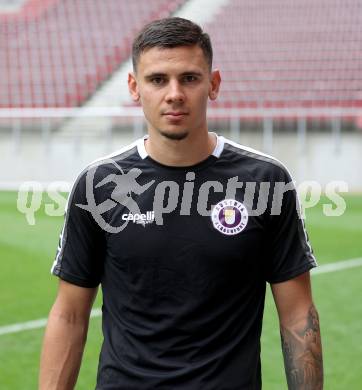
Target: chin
{"x": 176, "y": 136}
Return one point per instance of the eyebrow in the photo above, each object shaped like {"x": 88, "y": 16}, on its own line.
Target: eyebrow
{"x": 159, "y": 74}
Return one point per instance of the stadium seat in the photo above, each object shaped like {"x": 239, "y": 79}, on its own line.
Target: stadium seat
{"x": 56, "y": 53}
{"x": 267, "y": 56}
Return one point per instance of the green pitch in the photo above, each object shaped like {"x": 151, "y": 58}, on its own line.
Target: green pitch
{"x": 27, "y": 291}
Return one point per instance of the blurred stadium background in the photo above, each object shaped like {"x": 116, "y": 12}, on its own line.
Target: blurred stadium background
{"x": 292, "y": 87}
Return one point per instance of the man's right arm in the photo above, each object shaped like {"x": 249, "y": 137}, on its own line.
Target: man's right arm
{"x": 65, "y": 337}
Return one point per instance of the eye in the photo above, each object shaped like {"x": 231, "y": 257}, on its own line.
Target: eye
{"x": 157, "y": 80}
{"x": 189, "y": 78}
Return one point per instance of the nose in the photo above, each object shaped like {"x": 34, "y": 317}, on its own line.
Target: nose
{"x": 175, "y": 92}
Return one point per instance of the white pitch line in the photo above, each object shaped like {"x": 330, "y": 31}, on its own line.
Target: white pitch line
{"x": 337, "y": 266}
{"x": 19, "y": 327}
{"x": 322, "y": 269}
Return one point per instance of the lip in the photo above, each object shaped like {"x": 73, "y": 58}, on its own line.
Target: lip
{"x": 175, "y": 113}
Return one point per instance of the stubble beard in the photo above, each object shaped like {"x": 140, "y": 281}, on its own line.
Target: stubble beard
{"x": 174, "y": 136}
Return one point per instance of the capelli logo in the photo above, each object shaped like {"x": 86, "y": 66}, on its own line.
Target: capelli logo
{"x": 139, "y": 218}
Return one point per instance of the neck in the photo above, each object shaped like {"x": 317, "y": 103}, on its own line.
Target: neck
{"x": 189, "y": 151}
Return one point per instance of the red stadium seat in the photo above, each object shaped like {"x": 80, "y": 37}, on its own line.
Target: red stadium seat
{"x": 56, "y": 53}
{"x": 274, "y": 53}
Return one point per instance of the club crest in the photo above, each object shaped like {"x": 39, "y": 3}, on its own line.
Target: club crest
{"x": 229, "y": 217}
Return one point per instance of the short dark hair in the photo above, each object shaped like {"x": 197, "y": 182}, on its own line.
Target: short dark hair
{"x": 168, "y": 33}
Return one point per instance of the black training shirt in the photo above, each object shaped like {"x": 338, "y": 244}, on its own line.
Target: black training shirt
{"x": 183, "y": 256}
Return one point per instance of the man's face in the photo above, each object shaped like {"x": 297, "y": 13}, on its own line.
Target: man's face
{"x": 173, "y": 86}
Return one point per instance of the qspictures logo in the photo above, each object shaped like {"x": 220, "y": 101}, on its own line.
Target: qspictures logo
{"x": 125, "y": 186}
{"x": 229, "y": 216}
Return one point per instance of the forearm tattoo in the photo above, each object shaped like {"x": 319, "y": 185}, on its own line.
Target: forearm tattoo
{"x": 302, "y": 350}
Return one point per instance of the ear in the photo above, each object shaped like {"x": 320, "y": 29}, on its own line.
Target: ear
{"x": 215, "y": 81}
{"x": 133, "y": 87}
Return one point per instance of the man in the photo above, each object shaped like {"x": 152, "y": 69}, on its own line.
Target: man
{"x": 184, "y": 247}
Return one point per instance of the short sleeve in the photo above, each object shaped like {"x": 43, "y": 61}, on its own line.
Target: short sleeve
{"x": 79, "y": 258}
{"x": 289, "y": 252}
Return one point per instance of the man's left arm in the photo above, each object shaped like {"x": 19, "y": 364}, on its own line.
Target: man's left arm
{"x": 300, "y": 333}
